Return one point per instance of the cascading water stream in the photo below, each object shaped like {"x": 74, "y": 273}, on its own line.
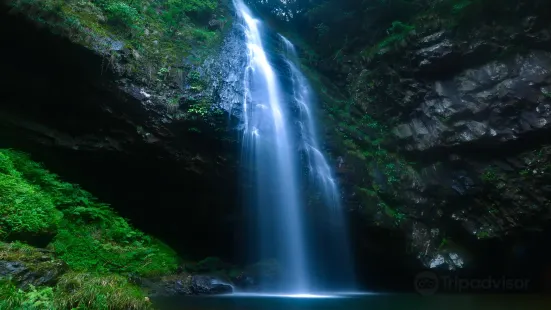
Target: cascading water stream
{"x": 272, "y": 145}
{"x": 321, "y": 176}
{"x": 268, "y": 148}
{"x": 319, "y": 169}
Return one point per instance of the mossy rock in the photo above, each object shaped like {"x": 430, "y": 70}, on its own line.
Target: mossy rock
{"x": 28, "y": 266}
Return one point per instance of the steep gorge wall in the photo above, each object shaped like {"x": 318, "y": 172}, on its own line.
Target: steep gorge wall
{"x": 441, "y": 140}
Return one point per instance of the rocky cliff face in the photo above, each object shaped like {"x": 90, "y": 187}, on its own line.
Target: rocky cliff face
{"x": 444, "y": 144}
{"x": 157, "y": 149}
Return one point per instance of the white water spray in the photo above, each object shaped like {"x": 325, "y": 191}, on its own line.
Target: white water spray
{"x": 317, "y": 164}
{"x": 268, "y": 147}
{"x": 271, "y": 149}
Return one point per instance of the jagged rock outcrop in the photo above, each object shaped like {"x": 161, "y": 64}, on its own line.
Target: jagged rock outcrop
{"x": 447, "y": 146}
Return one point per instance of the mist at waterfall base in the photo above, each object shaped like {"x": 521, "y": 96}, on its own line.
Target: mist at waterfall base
{"x": 294, "y": 205}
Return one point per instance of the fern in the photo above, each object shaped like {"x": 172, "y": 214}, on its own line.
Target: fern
{"x": 89, "y": 235}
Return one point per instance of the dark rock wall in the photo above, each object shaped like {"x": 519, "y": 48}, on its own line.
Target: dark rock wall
{"x": 70, "y": 108}
{"x": 462, "y": 116}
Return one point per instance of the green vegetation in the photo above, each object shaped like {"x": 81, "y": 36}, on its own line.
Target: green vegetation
{"x": 338, "y": 29}
{"x": 197, "y": 84}
{"x": 393, "y": 213}
{"x": 396, "y": 35}
{"x": 121, "y": 13}
{"x": 362, "y": 139}
{"x": 371, "y": 57}
{"x": 24, "y": 208}
{"x": 33, "y": 299}
{"x": 157, "y": 33}
{"x": 92, "y": 291}
{"x": 483, "y": 235}
{"x": 489, "y": 174}
{"x": 75, "y": 291}
{"x": 444, "y": 243}
{"x": 434, "y": 14}
{"x": 88, "y": 235}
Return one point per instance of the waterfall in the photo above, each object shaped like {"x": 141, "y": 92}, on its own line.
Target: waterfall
{"x": 268, "y": 146}
{"x": 274, "y": 138}
{"x": 320, "y": 171}
{"x": 335, "y": 244}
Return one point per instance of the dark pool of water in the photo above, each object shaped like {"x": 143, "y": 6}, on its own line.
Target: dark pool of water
{"x": 364, "y": 302}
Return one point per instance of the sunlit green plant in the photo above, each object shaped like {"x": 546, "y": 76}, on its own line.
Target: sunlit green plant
{"x": 11, "y": 297}
{"x": 123, "y": 13}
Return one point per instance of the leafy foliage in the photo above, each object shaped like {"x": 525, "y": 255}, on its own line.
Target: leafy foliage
{"x": 122, "y": 13}
{"x": 157, "y": 32}
{"x": 112, "y": 246}
{"x": 90, "y": 236}
{"x": 92, "y": 291}
{"x": 24, "y": 208}
{"x": 10, "y": 296}
{"x": 75, "y": 290}
{"x": 34, "y": 299}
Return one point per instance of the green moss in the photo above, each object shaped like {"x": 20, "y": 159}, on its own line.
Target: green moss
{"x": 159, "y": 33}
{"x": 24, "y": 207}
{"x": 93, "y": 291}
{"x": 483, "y": 235}
{"x": 396, "y": 33}
{"x": 38, "y": 262}
{"x": 397, "y": 216}
{"x": 89, "y": 235}
{"x": 76, "y": 291}
{"x": 122, "y": 14}
{"x": 367, "y": 192}
{"x": 110, "y": 247}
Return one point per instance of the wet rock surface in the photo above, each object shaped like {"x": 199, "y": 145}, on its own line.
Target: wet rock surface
{"x": 185, "y": 284}
{"x": 30, "y": 266}
{"x": 491, "y": 104}
{"x": 466, "y": 123}
{"x": 207, "y": 285}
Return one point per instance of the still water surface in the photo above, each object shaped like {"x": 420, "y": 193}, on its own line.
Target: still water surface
{"x": 363, "y": 302}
